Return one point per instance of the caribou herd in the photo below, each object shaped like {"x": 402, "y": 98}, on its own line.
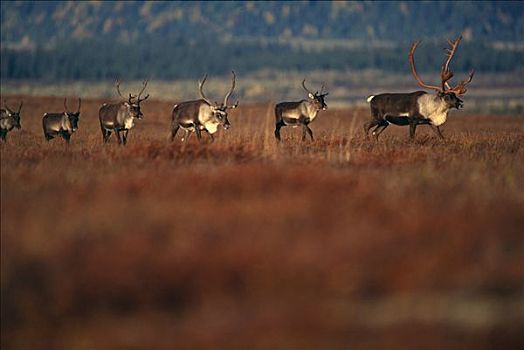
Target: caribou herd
{"x": 202, "y": 115}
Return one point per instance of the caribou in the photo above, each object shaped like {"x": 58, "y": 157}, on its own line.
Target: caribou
{"x": 120, "y": 117}
{"x": 419, "y": 107}
{"x": 61, "y": 124}
{"x": 9, "y": 119}
{"x": 300, "y": 113}
{"x": 202, "y": 115}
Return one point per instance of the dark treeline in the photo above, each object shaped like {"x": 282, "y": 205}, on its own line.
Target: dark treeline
{"x": 55, "y": 40}
{"x": 178, "y": 59}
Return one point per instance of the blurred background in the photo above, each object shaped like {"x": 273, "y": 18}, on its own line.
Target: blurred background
{"x": 356, "y": 48}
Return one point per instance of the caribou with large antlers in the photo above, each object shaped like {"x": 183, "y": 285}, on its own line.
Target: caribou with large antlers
{"x": 202, "y": 115}
{"x": 119, "y": 117}
{"x": 300, "y": 113}
{"x": 419, "y": 107}
{"x": 61, "y": 124}
{"x": 9, "y": 119}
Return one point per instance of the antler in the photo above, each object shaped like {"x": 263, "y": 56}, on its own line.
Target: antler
{"x": 200, "y": 88}
{"x": 67, "y": 108}
{"x": 231, "y": 90}
{"x": 305, "y": 88}
{"x": 7, "y": 107}
{"x": 445, "y": 73}
{"x": 144, "y": 84}
{"x": 414, "y": 70}
{"x": 322, "y": 90}
{"x": 20, "y": 107}
{"x": 460, "y": 89}
{"x": 118, "y": 89}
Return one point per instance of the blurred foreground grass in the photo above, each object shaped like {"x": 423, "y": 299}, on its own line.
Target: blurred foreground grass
{"x": 249, "y": 244}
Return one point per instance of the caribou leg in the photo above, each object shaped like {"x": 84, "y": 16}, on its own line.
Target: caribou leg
{"x": 304, "y": 126}
{"x": 105, "y": 134}
{"x": 187, "y": 135}
{"x": 368, "y": 126}
{"x": 278, "y": 122}
{"x": 412, "y": 129}
{"x": 118, "y": 136}
{"x": 379, "y": 129}
{"x": 66, "y": 136}
{"x": 174, "y": 130}
{"x": 374, "y": 132}
{"x": 277, "y": 130}
{"x": 437, "y": 131}
{"x": 377, "y": 118}
{"x": 198, "y": 133}
{"x": 310, "y": 132}
{"x": 3, "y": 134}
{"x": 124, "y": 136}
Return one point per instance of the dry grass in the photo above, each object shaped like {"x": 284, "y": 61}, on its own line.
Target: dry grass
{"x": 245, "y": 244}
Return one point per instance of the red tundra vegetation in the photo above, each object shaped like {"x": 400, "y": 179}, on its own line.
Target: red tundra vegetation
{"x": 340, "y": 243}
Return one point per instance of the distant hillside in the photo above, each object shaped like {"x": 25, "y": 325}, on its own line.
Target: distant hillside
{"x": 27, "y": 23}
{"x": 171, "y": 40}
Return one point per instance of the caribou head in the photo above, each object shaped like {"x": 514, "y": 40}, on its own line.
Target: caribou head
{"x": 15, "y": 115}
{"x": 73, "y": 116}
{"x": 133, "y": 101}
{"x": 317, "y": 99}
{"x": 447, "y": 93}
{"x": 220, "y": 109}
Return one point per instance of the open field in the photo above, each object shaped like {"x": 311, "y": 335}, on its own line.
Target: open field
{"x": 340, "y": 243}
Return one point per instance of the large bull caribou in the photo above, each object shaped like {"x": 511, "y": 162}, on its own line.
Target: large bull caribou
{"x": 201, "y": 115}
{"x": 61, "y": 124}
{"x": 418, "y": 107}
{"x": 300, "y": 113}
{"x": 9, "y": 119}
{"x": 120, "y": 117}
